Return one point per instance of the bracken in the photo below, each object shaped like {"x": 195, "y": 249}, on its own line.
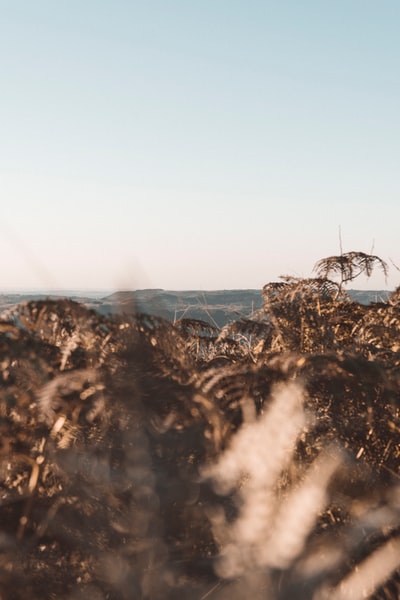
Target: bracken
{"x": 150, "y": 460}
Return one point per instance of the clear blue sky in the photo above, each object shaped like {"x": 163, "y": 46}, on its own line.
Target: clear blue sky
{"x": 195, "y": 143}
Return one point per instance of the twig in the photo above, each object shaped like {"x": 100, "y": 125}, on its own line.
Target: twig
{"x": 212, "y": 590}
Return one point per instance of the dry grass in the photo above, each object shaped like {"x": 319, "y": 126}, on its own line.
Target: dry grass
{"x": 142, "y": 459}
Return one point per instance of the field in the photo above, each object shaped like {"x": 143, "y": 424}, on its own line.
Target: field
{"x": 148, "y": 459}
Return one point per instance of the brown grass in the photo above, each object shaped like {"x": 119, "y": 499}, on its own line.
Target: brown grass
{"x": 142, "y": 459}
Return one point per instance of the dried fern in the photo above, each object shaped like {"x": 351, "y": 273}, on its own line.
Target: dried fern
{"x": 350, "y": 265}
{"x": 141, "y": 459}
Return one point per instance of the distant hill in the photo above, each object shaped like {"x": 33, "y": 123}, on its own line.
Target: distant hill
{"x": 368, "y": 296}
{"x": 217, "y": 307}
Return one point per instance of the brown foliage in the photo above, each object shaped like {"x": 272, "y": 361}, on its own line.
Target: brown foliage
{"x": 141, "y": 459}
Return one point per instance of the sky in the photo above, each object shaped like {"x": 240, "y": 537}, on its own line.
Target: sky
{"x": 196, "y": 144}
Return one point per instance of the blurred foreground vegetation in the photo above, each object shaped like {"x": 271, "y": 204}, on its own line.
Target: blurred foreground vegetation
{"x": 150, "y": 460}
